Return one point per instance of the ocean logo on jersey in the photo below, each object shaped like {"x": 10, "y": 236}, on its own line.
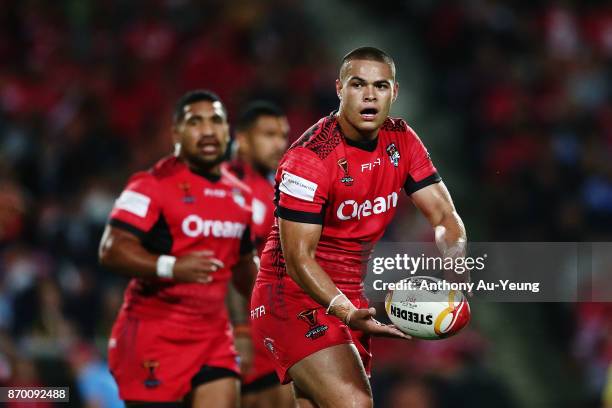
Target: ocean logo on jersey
{"x": 394, "y": 154}
{"x": 349, "y": 209}
{"x": 188, "y": 198}
{"x": 315, "y": 330}
{"x": 151, "y": 381}
{"x": 346, "y": 179}
{"x": 194, "y": 226}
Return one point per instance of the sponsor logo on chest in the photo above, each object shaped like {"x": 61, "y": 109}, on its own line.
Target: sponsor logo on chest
{"x": 350, "y": 209}
{"x": 194, "y": 226}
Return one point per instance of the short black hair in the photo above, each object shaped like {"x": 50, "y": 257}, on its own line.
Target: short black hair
{"x": 368, "y": 54}
{"x": 254, "y": 111}
{"x": 190, "y": 97}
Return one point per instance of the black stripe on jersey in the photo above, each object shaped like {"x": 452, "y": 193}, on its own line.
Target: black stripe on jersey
{"x": 127, "y": 227}
{"x": 246, "y": 243}
{"x": 411, "y": 186}
{"x": 157, "y": 240}
{"x": 299, "y": 216}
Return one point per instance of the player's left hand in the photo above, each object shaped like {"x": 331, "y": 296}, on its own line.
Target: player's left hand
{"x": 363, "y": 320}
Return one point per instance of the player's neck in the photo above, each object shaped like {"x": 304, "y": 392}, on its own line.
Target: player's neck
{"x": 212, "y": 173}
{"x": 259, "y": 169}
{"x": 351, "y": 133}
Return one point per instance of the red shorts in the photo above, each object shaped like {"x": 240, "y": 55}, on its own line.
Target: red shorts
{"x": 295, "y": 326}
{"x": 156, "y": 360}
{"x": 262, "y": 366}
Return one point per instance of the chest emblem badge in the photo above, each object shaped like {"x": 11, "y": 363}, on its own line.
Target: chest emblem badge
{"x": 394, "y": 154}
{"x": 346, "y": 179}
{"x": 238, "y": 197}
{"x": 187, "y": 196}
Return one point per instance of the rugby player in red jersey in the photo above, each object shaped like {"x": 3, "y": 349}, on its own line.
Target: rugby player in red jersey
{"x": 337, "y": 189}
{"x": 181, "y": 230}
{"x": 261, "y": 138}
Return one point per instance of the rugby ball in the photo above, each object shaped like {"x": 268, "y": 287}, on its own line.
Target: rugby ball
{"x": 420, "y": 307}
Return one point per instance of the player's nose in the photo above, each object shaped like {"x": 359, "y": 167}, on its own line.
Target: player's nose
{"x": 368, "y": 94}
{"x": 206, "y": 129}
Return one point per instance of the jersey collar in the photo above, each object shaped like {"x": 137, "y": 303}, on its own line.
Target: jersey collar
{"x": 367, "y": 145}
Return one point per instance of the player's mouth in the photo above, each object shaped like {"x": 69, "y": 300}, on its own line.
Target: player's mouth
{"x": 368, "y": 114}
{"x": 209, "y": 147}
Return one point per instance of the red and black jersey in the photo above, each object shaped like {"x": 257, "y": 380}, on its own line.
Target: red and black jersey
{"x": 262, "y": 189}
{"x": 351, "y": 189}
{"x": 175, "y": 211}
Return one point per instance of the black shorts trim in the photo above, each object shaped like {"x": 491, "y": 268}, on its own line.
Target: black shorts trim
{"x": 264, "y": 382}
{"x": 127, "y": 227}
{"x": 299, "y": 216}
{"x": 209, "y": 373}
{"x": 411, "y": 186}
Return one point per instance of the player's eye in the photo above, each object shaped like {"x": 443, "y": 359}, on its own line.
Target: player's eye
{"x": 382, "y": 85}
{"x": 217, "y": 120}
{"x": 357, "y": 84}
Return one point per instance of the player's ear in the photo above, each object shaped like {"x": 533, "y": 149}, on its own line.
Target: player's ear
{"x": 339, "y": 88}
{"x": 176, "y": 142}
{"x": 395, "y": 91}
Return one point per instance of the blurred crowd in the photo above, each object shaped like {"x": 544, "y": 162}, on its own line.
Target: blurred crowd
{"x": 86, "y": 92}
{"x": 532, "y": 84}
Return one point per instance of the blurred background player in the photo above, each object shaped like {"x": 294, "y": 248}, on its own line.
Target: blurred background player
{"x": 181, "y": 230}
{"x": 337, "y": 190}
{"x": 261, "y": 139}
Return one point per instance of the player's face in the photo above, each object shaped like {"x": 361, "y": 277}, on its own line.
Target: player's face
{"x": 203, "y": 134}
{"x": 366, "y": 91}
{"x": 266, "y": 141}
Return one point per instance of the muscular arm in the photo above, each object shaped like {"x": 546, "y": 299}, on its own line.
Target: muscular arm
{"x": 244, "y": 273}
{"x": 299, "y": 243}
{"x": 435, "y": 202}
{"x": 123, "y": 252}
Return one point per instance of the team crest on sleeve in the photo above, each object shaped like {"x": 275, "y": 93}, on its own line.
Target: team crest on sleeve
{"x": 394, "y": 154}
{"x": 298, "y": 187}
{"x": 346, "y": 179}
{"x": 133, "y": 202}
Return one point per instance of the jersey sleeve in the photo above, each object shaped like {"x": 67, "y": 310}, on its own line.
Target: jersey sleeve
{"x": 421, "y": 171}
{"x": 302, "y": 184}
{"x": 138, "y": 208}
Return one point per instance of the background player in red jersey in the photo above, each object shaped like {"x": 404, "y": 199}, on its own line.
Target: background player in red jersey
{"x": 337, "y": 190}
{"x": 181, "y": 231}
{"x": 261, "y": 136}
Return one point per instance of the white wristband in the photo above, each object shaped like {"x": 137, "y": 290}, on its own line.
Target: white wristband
{"x": 331, "y": 302}
{"x": 165, "y": 264}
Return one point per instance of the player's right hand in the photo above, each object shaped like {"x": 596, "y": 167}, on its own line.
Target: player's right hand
{"x": 363, "y": 320}
{"x": 196, "y": 267}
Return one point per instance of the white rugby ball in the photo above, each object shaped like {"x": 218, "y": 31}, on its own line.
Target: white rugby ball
{"x": 428, "y": 314}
